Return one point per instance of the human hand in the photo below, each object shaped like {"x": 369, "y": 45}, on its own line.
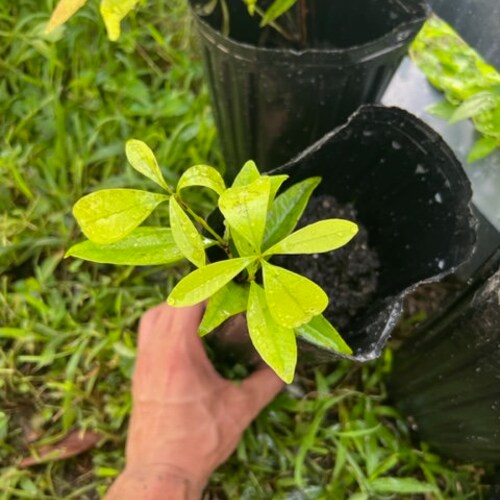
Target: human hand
{"x": 186, "y": 419}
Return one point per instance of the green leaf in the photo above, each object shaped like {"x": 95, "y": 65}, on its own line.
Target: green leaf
{"x": 204, "y": 282}
{"x": 245, "y": 209}
{"x": 323, "y": 236}
{"x": 320, "y": 331}
{"x": 443, "y": 109}
{"x": 112, "y": 12}
{"x": 276, "y": 344}
{"x": 276, "y": 182}
{"x": 143, "y": 160}
{"x": 244, "y": 248}
{"x": 292, "y": 299}
{"x": 202, "y": 175}
{"x": 401, "y": 485}
{"x": 251, "y": 6}
{"x": 186, "y": 236}
{"x": 277, "y": 8}
{"x": 63, "y": 11}
{"x": 248, "y": 174}
{"x": 109, "y": 215}
{"x": 482, "y": 148}
{"x": 145, "y": 246}
{"x": 287, "y": 210}
{"x": 474, "y": 105}
{"x": 230, "y": 300}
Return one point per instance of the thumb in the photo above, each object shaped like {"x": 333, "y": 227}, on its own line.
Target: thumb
{"x": 259, "y": 389}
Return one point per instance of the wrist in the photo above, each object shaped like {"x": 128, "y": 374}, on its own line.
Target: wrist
{"x": 156, "y": 482}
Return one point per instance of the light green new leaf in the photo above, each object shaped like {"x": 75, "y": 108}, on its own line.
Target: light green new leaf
{"x": 244, "y": 248}
{"x": 245, "y": 209}
{"x": 202, "y": 175}
{"x": 109, "y": 215}
{"x": 320, "y": 331}
{"x": 293, "y": 299}
{"x": 230, "y": 300}
{"x": 251, "y": 6}
{"x": 186, "y": 236}
{"x": 145, "y": 246}
{"x": 204, "y": 282}
{"x": 276, "y": 182}
{"x": 443, "y": 109}
{"x": 248, "y": 174}
{"x": 482, "y": 148}
{"x": 112, "y": 12}
{"x": 287, "y": 209}
{"x": 143, "y": 160}
{"x": 63, "y": 11}
{"x": 276, "y": 344}
{"x": 322, "y": 236}
{"x": 474, "y": 105}
{"x": 277, "y": 8}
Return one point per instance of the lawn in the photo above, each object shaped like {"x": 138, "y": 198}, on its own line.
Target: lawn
{"x": 69, "y": 101}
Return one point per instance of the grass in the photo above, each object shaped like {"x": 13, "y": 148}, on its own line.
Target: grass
{"x": 67, "y": 328}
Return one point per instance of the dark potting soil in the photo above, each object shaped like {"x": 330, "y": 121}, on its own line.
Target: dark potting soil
{"x": 348, "y": 275}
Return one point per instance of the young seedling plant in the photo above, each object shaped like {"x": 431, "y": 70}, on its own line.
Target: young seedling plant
{"x": 114, "y": 11}
{"x": 258, "y": 223}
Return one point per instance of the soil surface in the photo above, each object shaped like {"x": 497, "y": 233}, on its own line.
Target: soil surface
{"x": 348, "y": 275}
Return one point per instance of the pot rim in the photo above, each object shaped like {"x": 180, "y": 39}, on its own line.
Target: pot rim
{"x": 394, "y": 39}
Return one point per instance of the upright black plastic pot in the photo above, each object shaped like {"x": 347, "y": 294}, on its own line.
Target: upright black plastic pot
{"x": 412, "y": 196}
{"x": 271, "y": 103}
{"x": 447, "y": 376}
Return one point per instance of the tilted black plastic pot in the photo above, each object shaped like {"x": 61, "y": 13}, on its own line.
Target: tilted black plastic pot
{"x": 271, "y": 103}
{"x": 412, "y": 196}
{"x": 447, "y": 376}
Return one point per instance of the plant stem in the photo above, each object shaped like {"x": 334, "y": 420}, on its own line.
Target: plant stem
{"x": 203, "y": 223}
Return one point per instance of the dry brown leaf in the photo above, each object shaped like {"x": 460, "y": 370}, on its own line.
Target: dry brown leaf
{"x": 74, "y": 443}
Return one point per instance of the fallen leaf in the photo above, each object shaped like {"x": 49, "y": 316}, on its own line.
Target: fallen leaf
{"x": 74, "y": 443}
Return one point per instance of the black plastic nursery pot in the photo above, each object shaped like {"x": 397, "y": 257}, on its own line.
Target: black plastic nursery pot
{"x": 411, "y": 195}
{"x": 447, "y": 376}
{"x": 272, "y": 101}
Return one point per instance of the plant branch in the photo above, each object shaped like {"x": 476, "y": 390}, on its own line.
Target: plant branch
{"x": 203, "y": 223}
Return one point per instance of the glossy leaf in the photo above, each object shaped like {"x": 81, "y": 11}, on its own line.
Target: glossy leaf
{"x": 145, "y": 246}
{"x": 204, "y": 282}
{"x": 202, "y": 175}
{"x": 244, "y": 248}
{"x": 276, "y": 182}
{"x": 277, "y": 8}
{"x": 112, "y": 12}
{"x": 143, "y": 160}
{"x": 293, "y": 299}
{"x": 322, "y": 236}
{"x": 245, "y": 209}
{"x": 482, "y": 148}
{"x": 248, "y": 174}
{"x": 186, "y": 236}
{"x": 230, "y": 300}
{"x": 320, "y": 331}
{"x": 287, "y": 210}
{"x": 63, "y": 11}
{"x": 276, "y": 344}
{"x": 111, "y": 214}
